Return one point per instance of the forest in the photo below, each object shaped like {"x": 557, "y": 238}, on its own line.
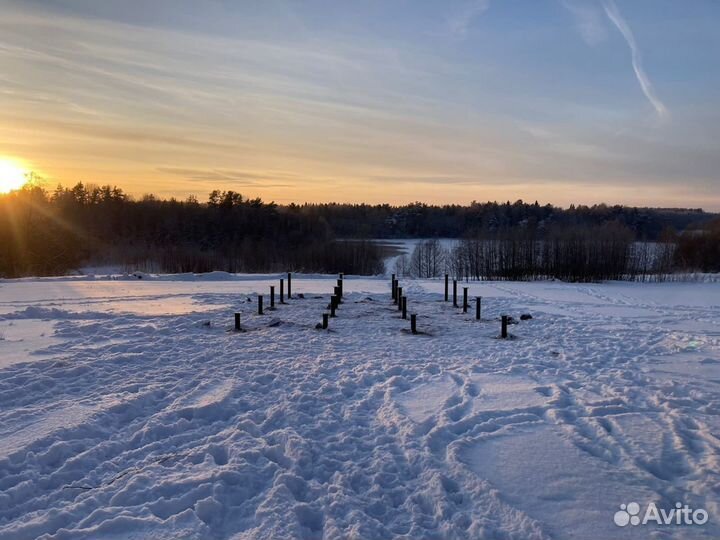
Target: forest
{"x": 54, "y": 233}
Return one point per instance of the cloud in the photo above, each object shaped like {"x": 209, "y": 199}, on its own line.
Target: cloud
{"x": 73, "y": 130}
{"x": 617, "y": 19}
{"x": 460, "y": 21}
{"x": 434, "y": 180}
{"x": 241, "y": 178}
{"x": 589, "y": 21}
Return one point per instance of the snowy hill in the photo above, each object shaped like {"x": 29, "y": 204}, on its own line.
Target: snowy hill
{"x": 130, "y": 409}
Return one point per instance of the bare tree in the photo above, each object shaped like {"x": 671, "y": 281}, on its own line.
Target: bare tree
{"x": 428, "y": 259}
{"x": 402, "y": 266}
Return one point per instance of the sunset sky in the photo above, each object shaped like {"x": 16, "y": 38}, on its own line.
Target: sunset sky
{"x": 380, "y": 101}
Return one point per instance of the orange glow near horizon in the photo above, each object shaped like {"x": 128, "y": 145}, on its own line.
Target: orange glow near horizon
{"x": 339, "y": 185}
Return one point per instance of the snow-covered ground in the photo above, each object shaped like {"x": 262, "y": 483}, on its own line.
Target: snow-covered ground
{"x": 128, "y": 410}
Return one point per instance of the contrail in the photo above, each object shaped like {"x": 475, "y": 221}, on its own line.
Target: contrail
{"x": 613, "y": 14}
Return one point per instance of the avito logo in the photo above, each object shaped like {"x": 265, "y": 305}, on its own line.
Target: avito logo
{"x": 682, "y": 514}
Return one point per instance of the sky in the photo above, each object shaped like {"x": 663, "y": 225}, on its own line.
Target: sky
{"x": 560, "y": 101}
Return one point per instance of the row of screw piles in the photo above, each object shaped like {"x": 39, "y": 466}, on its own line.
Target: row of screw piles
{"x": 400, "y": 300}
{"x": 478, "y": 304}
{"x": 335, "y": 301}
{"x": 260, "y": 309}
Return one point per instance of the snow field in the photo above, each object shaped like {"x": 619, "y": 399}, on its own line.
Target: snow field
{"x": 128, "y": 409}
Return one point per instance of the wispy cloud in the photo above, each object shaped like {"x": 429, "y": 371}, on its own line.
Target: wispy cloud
{"x": 461, "y": 20}
{"x": 236, "y": 177}
{"x": 589, "y": 20}
{"x": 617, "y": 19}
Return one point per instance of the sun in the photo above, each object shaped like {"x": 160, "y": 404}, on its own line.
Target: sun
{"x": 12, "y": 175}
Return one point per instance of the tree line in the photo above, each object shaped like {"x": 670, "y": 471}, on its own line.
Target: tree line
{"x": 51, "y": 233}
{"x": 45, "y": 233}
{"x": 420, "y": 220}
{"x": 605, "y": 252}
